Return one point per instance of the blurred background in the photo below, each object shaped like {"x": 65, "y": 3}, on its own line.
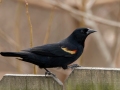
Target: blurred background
{"x": 28, "y": 23}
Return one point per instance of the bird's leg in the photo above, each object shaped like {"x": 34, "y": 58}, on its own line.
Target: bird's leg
{"x": 73, "y": 66}
{"x": 49, "y": 73}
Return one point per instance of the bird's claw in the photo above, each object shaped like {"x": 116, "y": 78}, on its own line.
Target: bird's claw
{"x": 49, "y": 73}
{"x": 74, "y": 66}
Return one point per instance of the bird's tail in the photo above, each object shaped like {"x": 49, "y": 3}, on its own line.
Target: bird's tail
{"x": 12, "y": 54}
{"x": 24, "y": 56}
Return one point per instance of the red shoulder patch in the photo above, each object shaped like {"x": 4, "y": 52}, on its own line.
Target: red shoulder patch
{"x": 69, "y": 51}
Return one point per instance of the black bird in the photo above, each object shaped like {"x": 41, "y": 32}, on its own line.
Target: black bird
{"x": 59, "y": 54}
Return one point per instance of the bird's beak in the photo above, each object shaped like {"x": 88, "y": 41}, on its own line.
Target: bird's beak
{"x": 90, "y": 31}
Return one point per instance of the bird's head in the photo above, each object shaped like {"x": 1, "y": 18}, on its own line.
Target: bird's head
{"x": 80, "y": 34}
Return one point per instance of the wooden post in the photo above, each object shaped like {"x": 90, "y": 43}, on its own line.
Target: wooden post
{"x": 29, "y": 82}
{"x": 88, "y": 78}
{"x": 82, "y": 78}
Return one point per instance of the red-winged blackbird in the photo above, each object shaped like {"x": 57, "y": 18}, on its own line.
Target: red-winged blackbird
{"x": 59, "y": 54}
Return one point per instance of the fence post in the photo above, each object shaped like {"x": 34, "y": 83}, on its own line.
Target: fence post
{"x": 30, "y": 82}
{"x": 87, "y": 78}
{"x": 82, "y": 78}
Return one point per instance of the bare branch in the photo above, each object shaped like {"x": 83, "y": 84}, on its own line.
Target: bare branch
{"x": 83, "y": 14}
{"x": 7, "y": 38}
{"x": 102, "y": 45}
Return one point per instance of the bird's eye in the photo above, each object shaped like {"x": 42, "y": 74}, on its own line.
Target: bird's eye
{"x": 84, "y": 31}
{"x": 81, "y": 31}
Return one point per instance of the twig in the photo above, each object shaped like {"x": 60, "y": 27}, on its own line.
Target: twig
{"x": 31, "y": 31}
{"x": 30, "y": 24}
{"x": 90, "y": 4}
{"x": 8, "y": 39}
{"x": 83, "y": 14}
{"x": 17, "y": 25}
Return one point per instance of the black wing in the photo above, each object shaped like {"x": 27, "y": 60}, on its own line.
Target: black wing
{"x": 54, "y": 50}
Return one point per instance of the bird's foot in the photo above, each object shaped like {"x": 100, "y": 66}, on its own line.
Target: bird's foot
{"x": 73, "y": 66}
{"x": 49, "y": 73}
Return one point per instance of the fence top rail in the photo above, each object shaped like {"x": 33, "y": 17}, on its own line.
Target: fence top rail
{"x": 81, "y": 78}
{"x": 96, "y": 68}
{"x": 33, "y": 75}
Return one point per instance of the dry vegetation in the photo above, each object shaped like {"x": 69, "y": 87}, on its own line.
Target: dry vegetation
{"x": 33, "y": 22}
